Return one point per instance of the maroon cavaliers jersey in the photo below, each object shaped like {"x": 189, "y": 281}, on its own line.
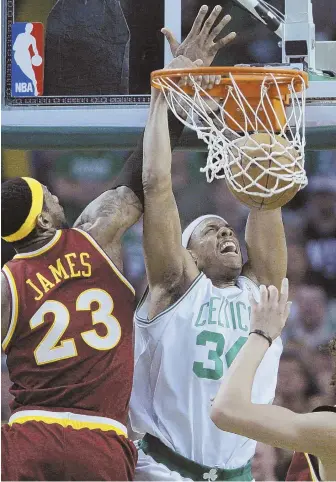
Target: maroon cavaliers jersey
{"x": 70, "y": 343}
{"x": 305, "y": 467}
{"x": 301, "y": 468}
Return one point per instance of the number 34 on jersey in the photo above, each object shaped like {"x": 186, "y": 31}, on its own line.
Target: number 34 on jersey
{"x": 216, "y": 353}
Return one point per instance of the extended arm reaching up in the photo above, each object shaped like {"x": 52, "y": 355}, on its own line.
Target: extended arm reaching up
{"x": 170, "y": 268}
{"x": 112, "y": 213}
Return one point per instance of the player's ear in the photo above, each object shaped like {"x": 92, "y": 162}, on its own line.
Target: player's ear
{"x": 44, "y": 221}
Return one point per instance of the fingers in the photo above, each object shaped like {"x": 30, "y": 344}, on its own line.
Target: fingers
{"x": 173, "y": 43}
{"x": 263, "y": 295}
{"x": 218, "y": 29}
{"x": 272, "y": 311}
{"x": 207, "y": 82}
{"x": 222, "y": 42}
{"x": 284, "y": 291}
{"x": 188, "y": 79}
{"x": 183, "y": 82}
{"x": 213, "y": 80}
{"x": 197, "y": 25}
{"x": 270, "y": 297}
{"x": 252, "y": 300}
{"x": 182, "y": 62}
{"x": 197, "y": 79}
{"x": 287, "y": 309}
{"x": 198, "y": 63}
{"x": 273, "y": 296}
{"x": 209, "y": 23}
{"x": 283, "y": 294}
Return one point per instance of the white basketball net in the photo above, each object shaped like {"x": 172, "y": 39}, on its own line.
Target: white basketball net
{"x": 209, "y": 118}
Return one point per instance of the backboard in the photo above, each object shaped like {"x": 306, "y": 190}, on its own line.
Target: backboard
{"x": 82, "y": 96}
{"x": 93, "y": 118}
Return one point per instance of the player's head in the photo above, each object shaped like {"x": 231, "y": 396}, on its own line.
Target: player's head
{"x": 29, "y": 28}
{"x": 28, "y": 210}
{"x": 215, "y": 247}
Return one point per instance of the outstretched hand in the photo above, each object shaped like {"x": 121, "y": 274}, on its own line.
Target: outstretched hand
{"x": 201, "y": 41}
{"x": 271, "y": 313}
{"x": 204, "y": 81}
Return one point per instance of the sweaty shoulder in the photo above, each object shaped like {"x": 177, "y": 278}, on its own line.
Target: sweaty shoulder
{"x": 108, "y": 217}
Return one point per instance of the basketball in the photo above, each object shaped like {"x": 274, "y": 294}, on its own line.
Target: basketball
{"x": 266, "y": 155}
{"x": 36, "y": 60}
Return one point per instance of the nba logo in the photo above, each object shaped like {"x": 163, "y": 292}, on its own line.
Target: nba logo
{"x": 27, "y": 59}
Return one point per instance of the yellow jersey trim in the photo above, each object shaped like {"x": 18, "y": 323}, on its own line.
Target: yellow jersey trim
{"x": 14, "y": 307}
{"x": 68, "y": 419}
{"x": 44, "y": 249}
{"x": 110, "y": 262}
{"x": 311, "y": 469}
{"x": 35, "y": 209}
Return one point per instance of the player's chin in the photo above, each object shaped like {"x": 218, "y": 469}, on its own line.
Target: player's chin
{"x": 232, "y": 266}
{"x": 230, "y": 260}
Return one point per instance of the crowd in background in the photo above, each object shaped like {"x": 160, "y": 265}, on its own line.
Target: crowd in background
{"x": 77, "y": 177}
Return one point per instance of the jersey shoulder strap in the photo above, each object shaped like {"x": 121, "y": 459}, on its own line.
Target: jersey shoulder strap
{"x": 141, "y": 312}
{"x": 243, "y": 282}
{"x": 14, "y": 306}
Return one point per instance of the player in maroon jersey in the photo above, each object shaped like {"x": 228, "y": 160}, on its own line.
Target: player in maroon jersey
{"x": 69, "y": 345}
{"x": 67, "y": 318}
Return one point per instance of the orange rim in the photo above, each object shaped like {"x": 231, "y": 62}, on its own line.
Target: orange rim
{"x": 242, "y": 75}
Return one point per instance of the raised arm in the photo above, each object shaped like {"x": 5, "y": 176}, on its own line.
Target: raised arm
{"x": 112, "y": 213}
{"x": 170, "y": 268}
{"x": 266, "y": 247}
{"x": 233, "y": 410}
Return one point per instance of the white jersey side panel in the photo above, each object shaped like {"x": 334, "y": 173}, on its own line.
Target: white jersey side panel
{"x": 181, "y": 357}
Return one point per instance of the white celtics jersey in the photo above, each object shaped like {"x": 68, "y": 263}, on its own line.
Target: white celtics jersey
{"x": 181, "y": 357}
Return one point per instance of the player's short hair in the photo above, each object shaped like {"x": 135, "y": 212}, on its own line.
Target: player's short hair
{"x": 16, "y": 203}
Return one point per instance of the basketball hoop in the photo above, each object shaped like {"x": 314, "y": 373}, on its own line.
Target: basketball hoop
{"x": 227, "y": 117}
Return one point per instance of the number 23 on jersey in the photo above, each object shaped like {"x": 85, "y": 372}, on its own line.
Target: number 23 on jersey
{"x": 52, "y": 348}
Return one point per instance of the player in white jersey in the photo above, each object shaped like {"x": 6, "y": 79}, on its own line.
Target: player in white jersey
{"x": 192, "y": 322}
